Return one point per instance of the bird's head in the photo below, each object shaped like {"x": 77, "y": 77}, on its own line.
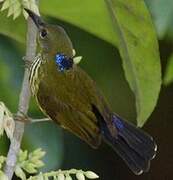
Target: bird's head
{"x": 52, "y": 38}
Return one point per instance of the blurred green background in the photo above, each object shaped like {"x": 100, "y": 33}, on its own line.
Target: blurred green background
{"x": 102, "y": 61}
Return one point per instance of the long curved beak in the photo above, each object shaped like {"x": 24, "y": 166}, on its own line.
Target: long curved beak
{"x": 36, "y": 19}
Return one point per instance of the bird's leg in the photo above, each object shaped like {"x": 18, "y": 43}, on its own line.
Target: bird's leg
{"x": 26, "y": 119}
{"x": 40, "y": 120}
{"x": 27, "y": 62}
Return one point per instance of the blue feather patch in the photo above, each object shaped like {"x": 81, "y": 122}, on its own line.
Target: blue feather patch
{"x": 63, "y": 62}
{"x": 118, "y": 122}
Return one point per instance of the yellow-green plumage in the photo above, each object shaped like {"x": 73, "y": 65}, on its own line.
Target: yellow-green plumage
{"x": 67, "y": 99}
{"x": 67, "y": 95}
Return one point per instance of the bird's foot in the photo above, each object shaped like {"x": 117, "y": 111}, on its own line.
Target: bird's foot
{"x": 22, "y": 117}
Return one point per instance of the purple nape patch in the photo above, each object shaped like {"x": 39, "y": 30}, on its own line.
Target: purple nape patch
{"x": 118, "y": 122}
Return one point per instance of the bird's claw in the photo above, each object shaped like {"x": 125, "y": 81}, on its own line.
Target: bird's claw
{"x": 22, "y": 117}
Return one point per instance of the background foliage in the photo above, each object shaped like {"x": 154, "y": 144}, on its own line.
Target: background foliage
{"x": 97, "y": 38}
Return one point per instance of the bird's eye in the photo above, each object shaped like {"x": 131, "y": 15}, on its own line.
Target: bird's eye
{"x": 43, "y": 33}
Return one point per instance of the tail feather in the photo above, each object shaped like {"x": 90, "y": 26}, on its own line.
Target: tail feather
{"x": 135, "y": 162}
{"x": 143, "y": 143}
{"x": 133, "y": 145}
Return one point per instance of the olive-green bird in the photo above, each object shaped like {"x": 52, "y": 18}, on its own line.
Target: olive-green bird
{"x": 68, "y": 96}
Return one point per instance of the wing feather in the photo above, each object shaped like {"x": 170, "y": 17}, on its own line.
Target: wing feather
{"x": 82, "y": 125}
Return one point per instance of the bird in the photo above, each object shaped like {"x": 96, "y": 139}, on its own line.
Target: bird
{"x": 67, "y": 95}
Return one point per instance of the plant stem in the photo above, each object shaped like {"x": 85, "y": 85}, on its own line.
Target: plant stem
{"x": 23, "y": 103}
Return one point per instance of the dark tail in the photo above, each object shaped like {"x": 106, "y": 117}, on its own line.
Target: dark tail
{"x": 133, "y": 145}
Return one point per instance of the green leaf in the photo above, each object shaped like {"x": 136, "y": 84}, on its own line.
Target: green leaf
{"x": 80, "y": 176}
{"x": 89, "y": 15}
{"x": 22, "y": 155}
{"x": 162, "y": 11}
{"x": 29, "y": 167}
{"x": 3, "y": 176}
{"x": 14, "y": 8}
{"x": 61, "y": 176}
{"x": 13, "y": 29}
{"x": 168, "y": 77}
{"x": 20, "y": 173}
{"x": 5, "y": 5}
{"x": 84, "y": 15}
{"x": 91, "y": 175}
{"x": 138, "y": 47}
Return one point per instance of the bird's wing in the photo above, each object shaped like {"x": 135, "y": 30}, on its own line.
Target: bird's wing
{"x": 84, "y": 125}
{"x": 76, "y": 88}
{"x": 93, "y": 94}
